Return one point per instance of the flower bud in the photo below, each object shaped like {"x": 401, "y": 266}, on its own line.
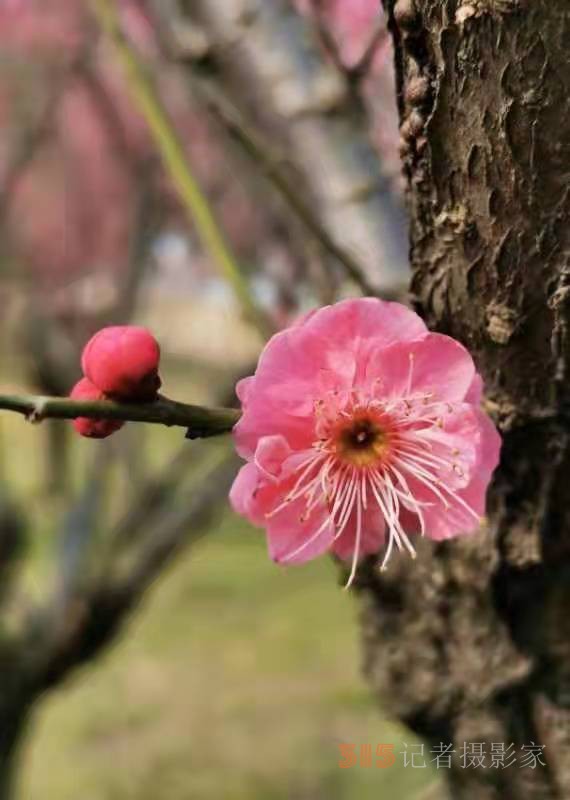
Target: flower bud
{"x": 122, "y": 361}
{"x": 92, "y": 428}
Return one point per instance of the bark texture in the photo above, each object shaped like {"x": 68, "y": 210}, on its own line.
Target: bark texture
{"x": 471, "y": 643}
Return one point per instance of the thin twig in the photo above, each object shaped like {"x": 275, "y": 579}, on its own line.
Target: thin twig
{"x": 200, "y": 421}
{"x": 362, "y": 67}
{"x": 62, "y": 638}
{"x": 167, "y": 141}
{"x": 358, "y": 71}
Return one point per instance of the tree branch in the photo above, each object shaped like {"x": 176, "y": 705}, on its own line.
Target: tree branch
{"x": 270, "y": 163}
{"x": 72, "y": 634}
{"x": 200, "y": 421}
{"x": 267, "y": 62}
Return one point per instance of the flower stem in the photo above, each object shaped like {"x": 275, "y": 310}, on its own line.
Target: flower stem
{"x": 143, "y": 91}
{"x": 201, "y": 421}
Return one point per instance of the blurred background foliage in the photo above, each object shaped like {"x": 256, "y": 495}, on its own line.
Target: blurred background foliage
{"x": 234, "y": 678}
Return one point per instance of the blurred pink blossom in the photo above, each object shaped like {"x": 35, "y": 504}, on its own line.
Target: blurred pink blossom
{"x": 352, "y": 23}
{"x": 59, "y": 28}
{"x": 69, "y": 211}
{"x": 44, "y": 27}
{"x": 72, "y": 207}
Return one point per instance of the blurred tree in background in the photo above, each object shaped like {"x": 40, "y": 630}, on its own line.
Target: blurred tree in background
{"x": 94, "y": 233}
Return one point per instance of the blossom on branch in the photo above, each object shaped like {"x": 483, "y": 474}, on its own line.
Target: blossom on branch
{"x": 362, "y": 429}
{"x": 122, "y": 361}
{"x": 92, "y": 428}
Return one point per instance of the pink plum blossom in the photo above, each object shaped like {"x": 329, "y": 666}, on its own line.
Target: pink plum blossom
{"x": 361, "y": 429}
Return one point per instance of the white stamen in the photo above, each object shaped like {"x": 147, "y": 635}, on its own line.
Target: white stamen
{"x": 417, "y": 448}
{"x": 357, "y": 543}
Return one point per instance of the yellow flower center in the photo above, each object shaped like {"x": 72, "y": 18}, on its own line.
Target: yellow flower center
{"x": 362, "y": 442}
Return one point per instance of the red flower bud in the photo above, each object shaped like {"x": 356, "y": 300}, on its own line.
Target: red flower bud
{"x": 93, "y": 428}
{"x": 122, "y": 361}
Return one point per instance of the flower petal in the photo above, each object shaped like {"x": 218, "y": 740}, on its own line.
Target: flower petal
{"x": 243, "y": 494}
{"x": 292, "y": 539}
{"x": 316, "y": 356}
{"x": 490, "y": 449}
{"x": 244, "y": 389}
{"x": 435, "y": 364}
{"x": 367, "y": 318}
{"x": 455, "y": 520}
{"x": 475, "y": 391}
{"x": 270, "y": 455}
{"x": 451, "y": 452}
{"x": 371, "y": 538}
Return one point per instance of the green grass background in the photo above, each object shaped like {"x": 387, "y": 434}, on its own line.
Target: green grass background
{"x": 236, "y": 680}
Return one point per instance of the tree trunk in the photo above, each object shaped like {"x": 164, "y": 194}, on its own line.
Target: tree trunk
{"x": 14, "y": 709}
{"x": 471, "y": 642}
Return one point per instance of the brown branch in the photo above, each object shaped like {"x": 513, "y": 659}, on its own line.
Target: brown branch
{"x": 271, "y": 164}
{"x": 83, "y": 618}
{"x": 200, "y": 421}
{"x": 90, "y": 619}
{"x": 306, "y": 103}
{"x": 358, "y": 71}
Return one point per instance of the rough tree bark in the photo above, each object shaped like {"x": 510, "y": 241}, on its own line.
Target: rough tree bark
{"x": 471, "y": 643}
